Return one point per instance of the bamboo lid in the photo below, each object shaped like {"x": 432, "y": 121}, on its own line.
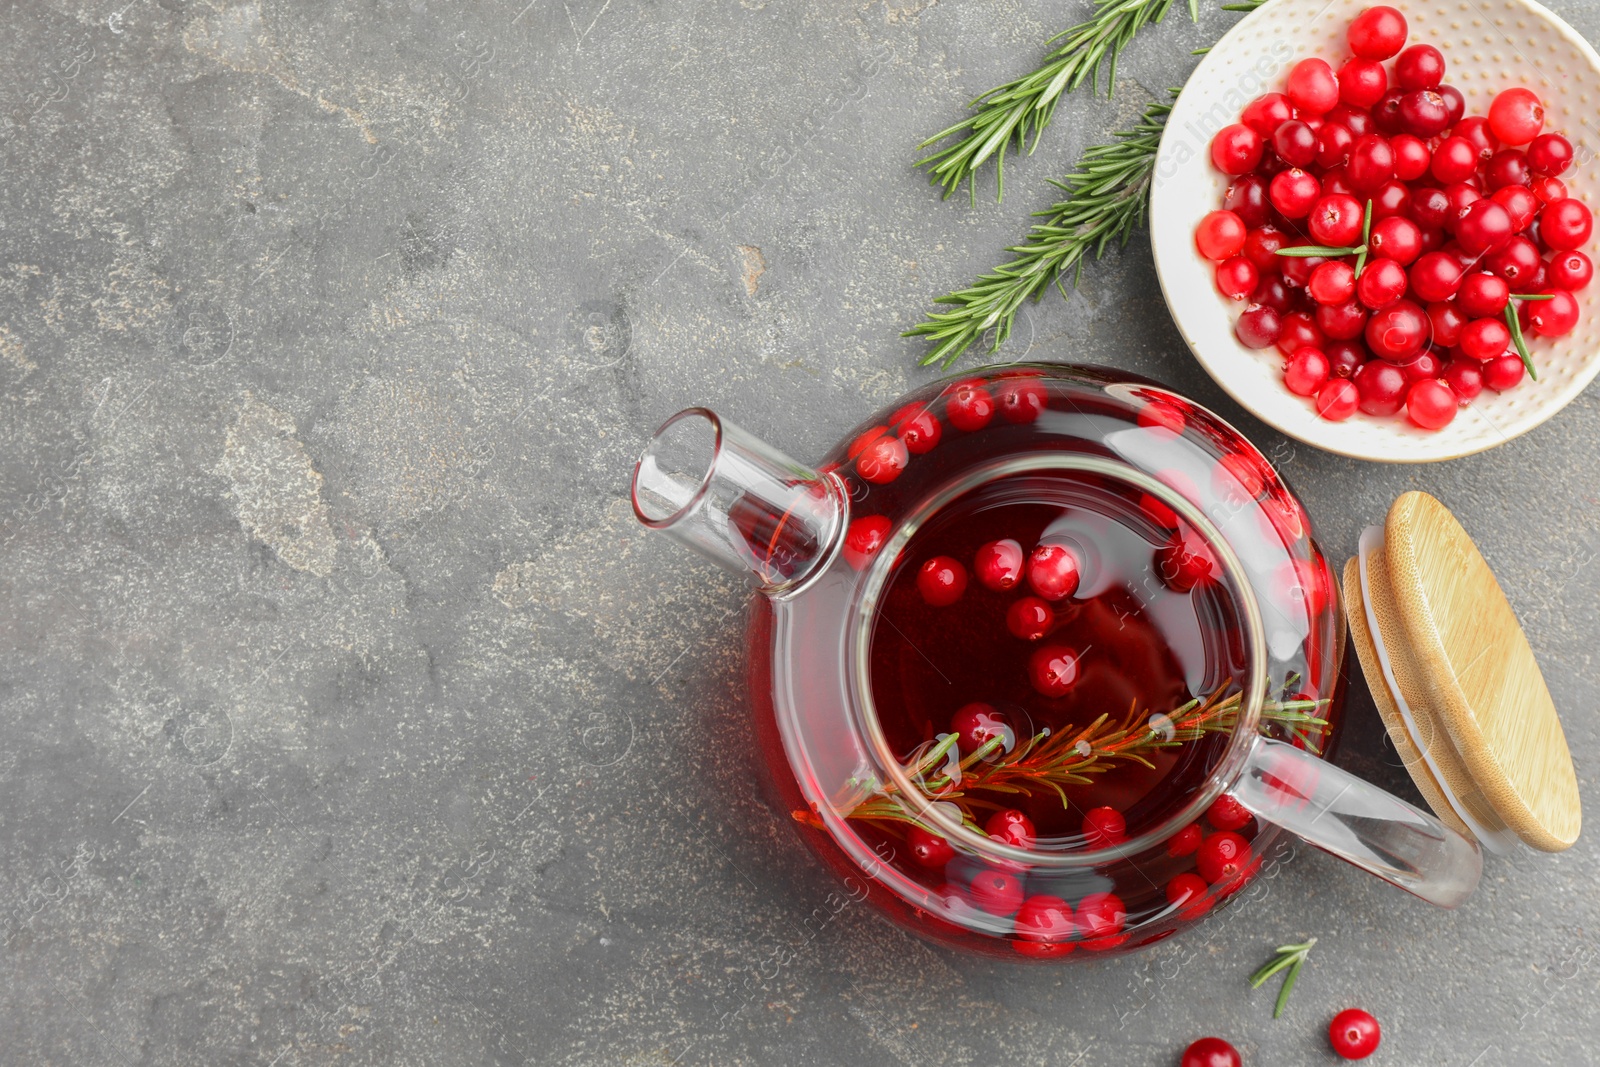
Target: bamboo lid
{"x": 1456, "y": 682}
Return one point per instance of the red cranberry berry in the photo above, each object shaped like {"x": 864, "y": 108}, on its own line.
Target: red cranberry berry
{"x": 1411, "y": 157}
{"x": 998, "y": 565}
{"x": 1189, "y": 894}
{"x": 1430, "y": 209}
{"x": 1503, "y": 372}
{"x": 1358, "y": 120}
{"x": 1022, "y": 400}
{"x": 1571, "y": 271}
{"x": 1237, "y": 278}
{"x": 1184, "y": 562}
{"x": 1185, "y": 841}
{"x": 1507, "y": 167}
{"x": 1101, "y": 916}
{"x": 1236, "y": 149}
{"x": 1053, "y": 670}
{"x": 1261, "y": 248}
{"x": 1335, "y": 220}
{"x": 1555, "y": 317}
{"x": 1213, "y": 1051}
{"x": 1381, "y": 284}
{"x": 1430, "y": 404}
{"x": 941, "y": 581}
{"x": 1333, "y": 282}
{"x": 1422, "y": 366}
{"x": 1434, "y": 276}
{"x": 1377, "y": 33}
{"x": 1337, "y": 400}
{"x": 1484, "y": 227}
{"x": 1399, "y": 331}
{"x": 1455, "y": 160}
{"x": 1342, "y": 322}
{"x": 1258, "y": 327}
{"x": 1398, "y": 239}
{"x": 1306, "y": 371}
{"x": 1382, "y": 387}
{"x": 1046, "y": 920}
{"x": 1516, "y": 116}
{"x": 1220, "y": 236}
{"x": 1476, "y": 130}
{"x": 1226, "y": 813}
{"x": 1295, "y": 143}
{"x": 1312, "y": 87}
{"x": 918, "y": 427}
{"x": 1333, "y": 146}
{"x": 969, "y": 407}
{"x": 1565, "y": 224}
{"x": 1483, "y": 295}
{"x": 1548, "y": 190}
{"x": 1223, "y": 856}
{"x": 1011, "y": 827}
{"x": 1423, "y": 113}
{"x": 996, "y": 892}
{"x": 928, "y": 849}
{"x": 1030, "y": 618}
{"x": 977, "y": 724}
{"x": 1293, "y": 192}
{"x": 1392, "y": 199}
{"x": 1053, "y": 571}
{"x": 1362, "y": 82}
{"x": 1299, "y": 331}
{"x": 1520, "y": 204}
{"x": 1446, "y": 321}
{"x": 1371, "y": 163}
{"x": 1550, "y": 154}
{"x": 1274, "y": 293}
{"x": 1266, "y": 113}
{"x": 864, "y": 537}
{"x": 1465, "y": 379}
{"x": 1354, "y": 1034}
{"x": 1345, "y": 358}
{"x": 1419, "y": 67}
{"x": 882, "y": 460}
{"x": 1104, "y": 827}
{"x": 1517, "y": 261}
{"x": 1455, "y": 104}
{"x": 1386, "y": 112}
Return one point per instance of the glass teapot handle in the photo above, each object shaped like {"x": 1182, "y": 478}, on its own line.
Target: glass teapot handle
{"x": 1358, "y": 822}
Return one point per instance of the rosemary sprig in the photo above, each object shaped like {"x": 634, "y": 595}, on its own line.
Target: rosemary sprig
{"x": 1107, "y": 198}
{"x": 1515, "y": 326}
{"x": 1292, "y": 957}
{"x": 1021, "y": 109}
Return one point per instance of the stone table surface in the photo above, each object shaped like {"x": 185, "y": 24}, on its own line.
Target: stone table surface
{"x": 348, "y": 718}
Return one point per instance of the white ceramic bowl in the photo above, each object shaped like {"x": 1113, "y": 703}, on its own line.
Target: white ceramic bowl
{"x": 1488, "y": 45}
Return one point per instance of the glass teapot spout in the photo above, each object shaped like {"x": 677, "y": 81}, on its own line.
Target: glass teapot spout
{"x": 738, "y": 501}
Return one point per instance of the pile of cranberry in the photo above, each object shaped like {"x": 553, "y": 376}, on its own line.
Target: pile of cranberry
{"x": 1428, "y": 236}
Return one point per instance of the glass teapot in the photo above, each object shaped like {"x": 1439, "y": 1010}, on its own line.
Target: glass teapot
{"x": 1042, "y": 658}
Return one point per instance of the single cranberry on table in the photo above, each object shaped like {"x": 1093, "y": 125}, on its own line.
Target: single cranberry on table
{"x": 1104, "y": 827}
{"x": 1377, "y": 33}
{"x": 918, "y": 427}
{"x": 1555, "y": 317}
{"x": 1030, "y": 618}
{"x": 1354, "y": 1034}
{"x": 1210, "y": 1052}
{"x": 1011, "y": 827}
{"x": 1053, "y": 670}
{"x": 941, "y": 581}
{"x": 998, "y": 565}
{"x": 928, "y": 849}
{"x": 1516, "y": 116}
{"x": 1430, "y": 404}
{"x": 1550, "y": 154}
{"x": 1053, "y": 571}
{"x": 978, "y": 723}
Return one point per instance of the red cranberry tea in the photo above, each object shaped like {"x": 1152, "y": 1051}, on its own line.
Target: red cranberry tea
{"x": 1030, "y": 611}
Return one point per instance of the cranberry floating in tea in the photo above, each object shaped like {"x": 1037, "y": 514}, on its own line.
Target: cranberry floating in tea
{"x": 1044, "y": 657}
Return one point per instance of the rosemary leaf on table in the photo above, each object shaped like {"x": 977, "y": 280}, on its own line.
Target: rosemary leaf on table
{"x": 1107, "y": 198}
{"x": 1012, "y": 114}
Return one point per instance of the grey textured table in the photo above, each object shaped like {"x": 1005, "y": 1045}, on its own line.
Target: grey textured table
{"x": 348, "y": 718}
